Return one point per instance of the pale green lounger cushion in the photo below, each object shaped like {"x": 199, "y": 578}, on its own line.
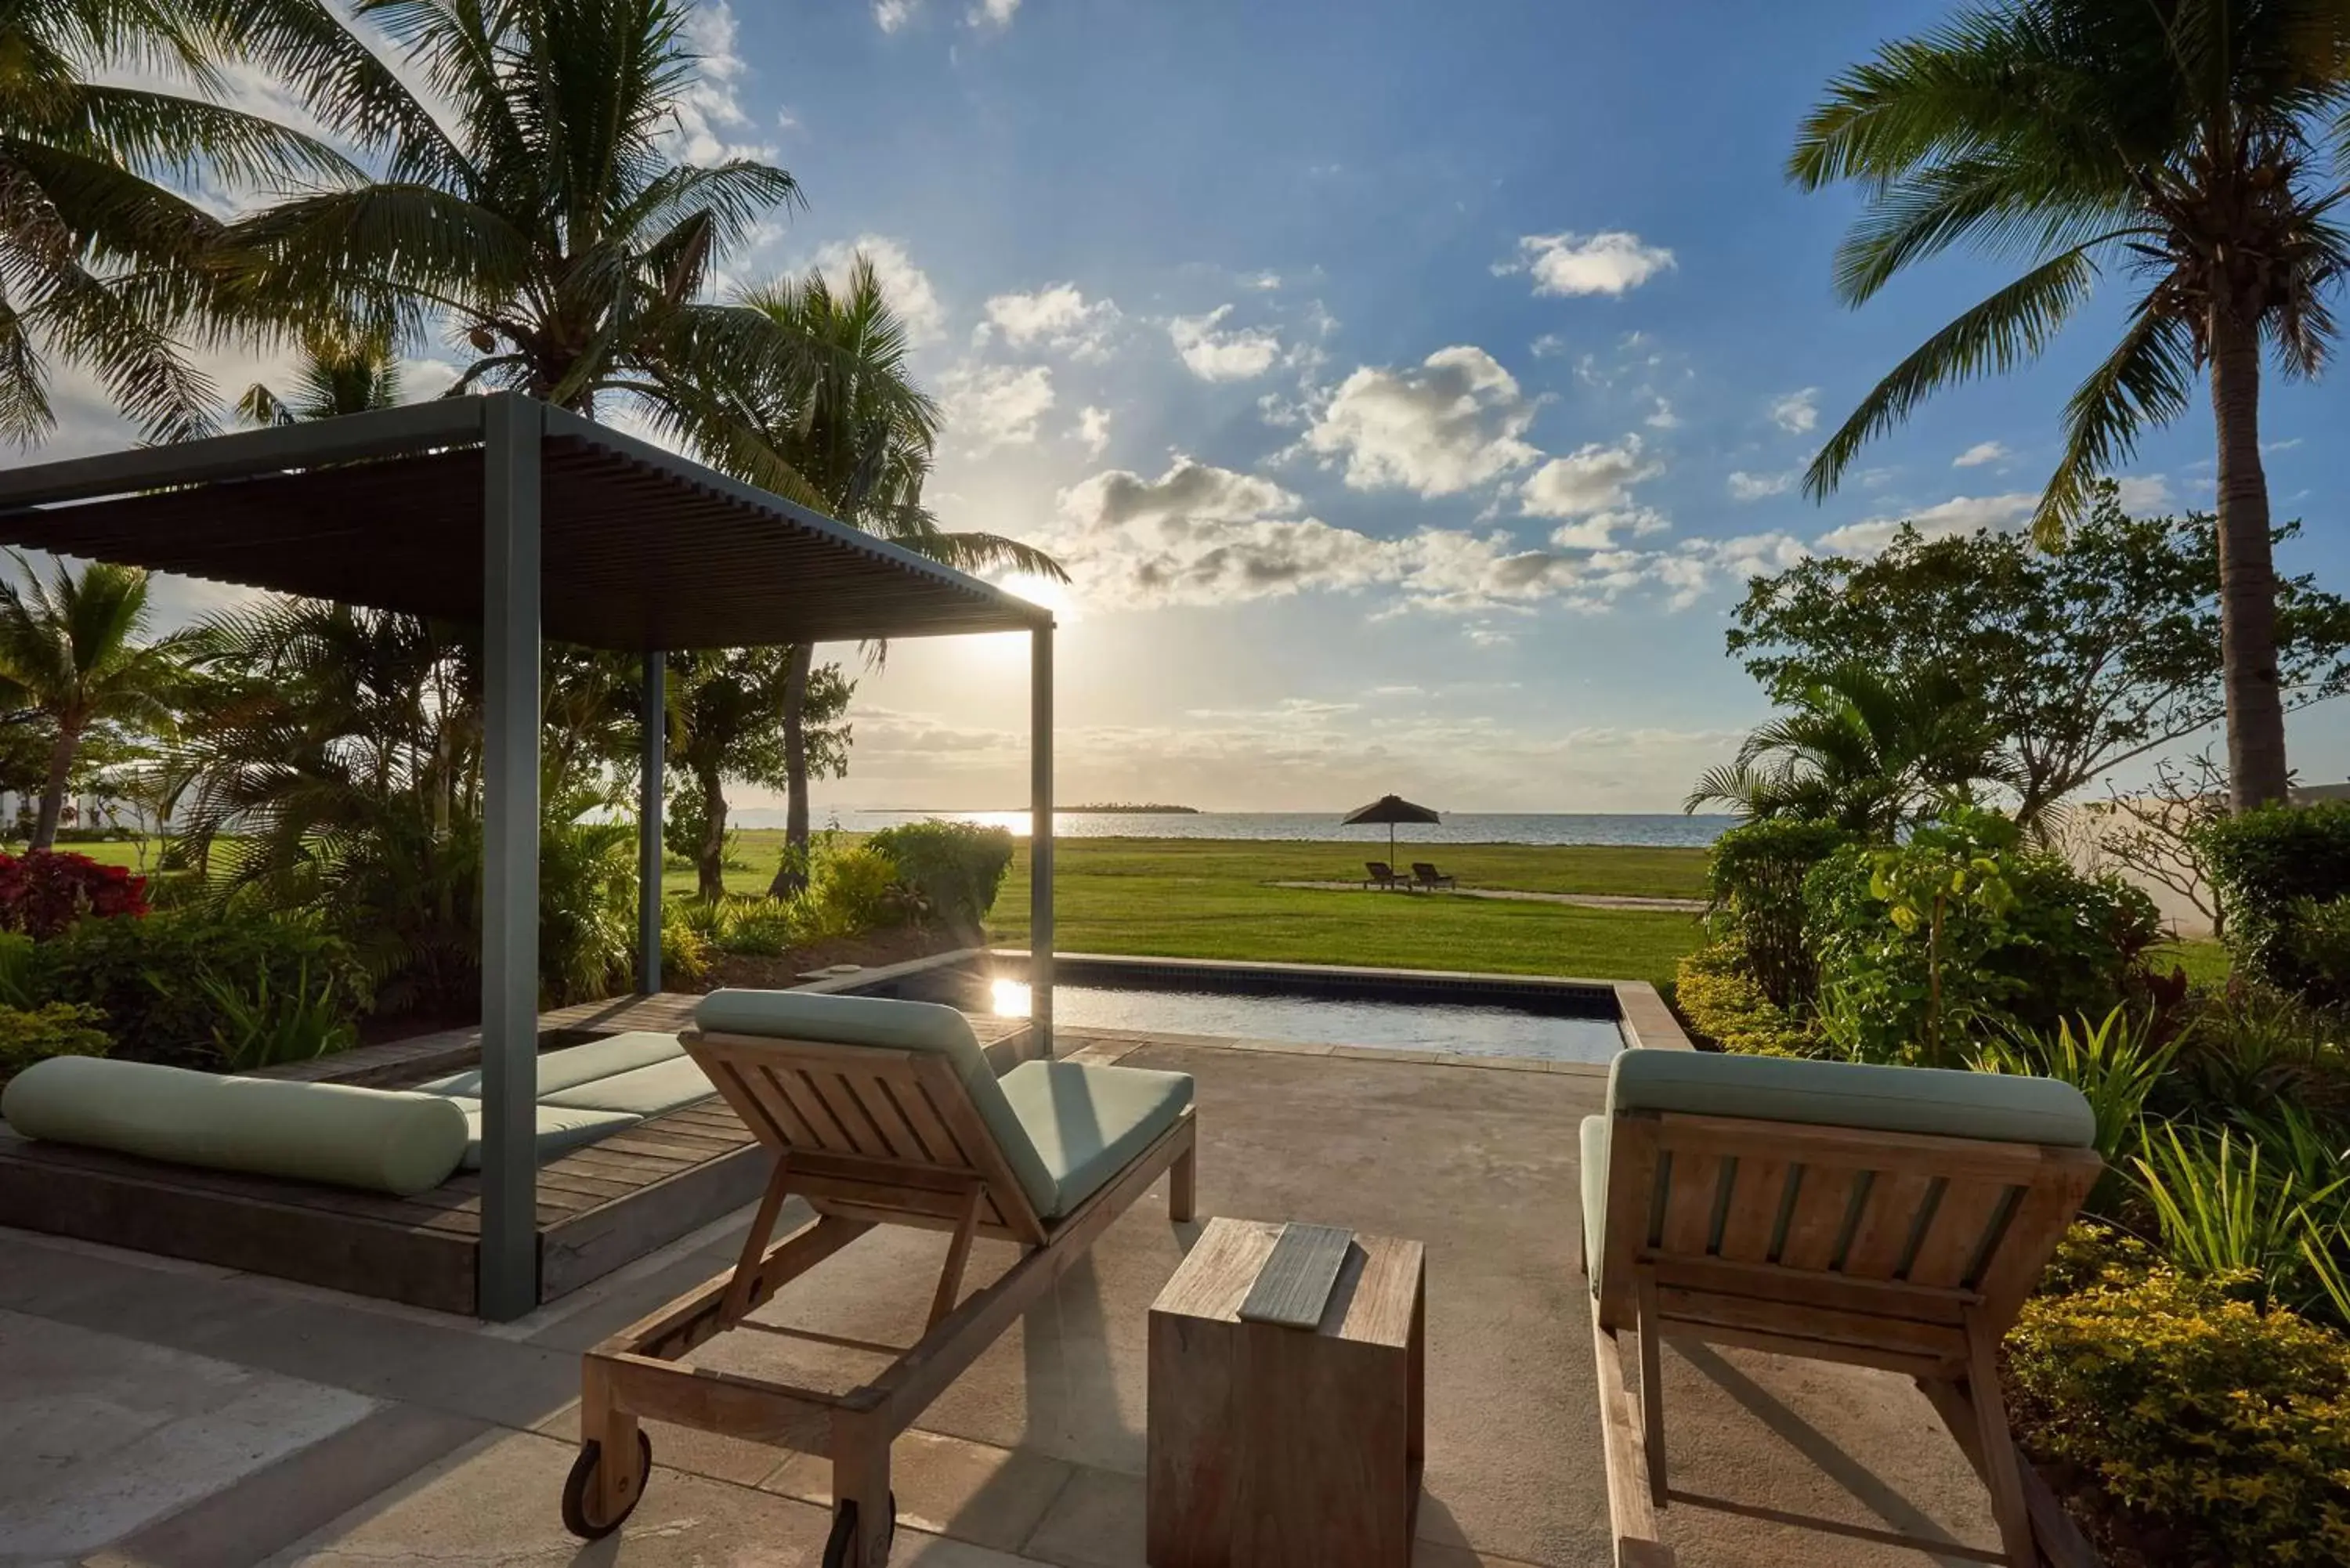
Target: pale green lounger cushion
{"x": 1997, "y": 1106}
{"x": 574, "y": 1064}
{"x": 901, "y": 1026}
{"x": 380, "y": 1139}
{"x": 560, "y": 1128}
{"x": 1594, "y": 1192}
{"x": 1087, "y": 1123}
{"x": 651, "y": 1091}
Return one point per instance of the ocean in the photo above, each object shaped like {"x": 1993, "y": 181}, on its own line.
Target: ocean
{"x": 1672, "y": 830}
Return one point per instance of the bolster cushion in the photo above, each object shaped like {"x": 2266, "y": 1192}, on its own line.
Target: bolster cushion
{"x": 1997, "y": 1108}
{"x": 378, "y": 1139}
{"x": 885, "y": 1022}
{"x": 555, "y": 1129}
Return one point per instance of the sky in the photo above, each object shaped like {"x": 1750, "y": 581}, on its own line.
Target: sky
{"x": 1410, "y": 388}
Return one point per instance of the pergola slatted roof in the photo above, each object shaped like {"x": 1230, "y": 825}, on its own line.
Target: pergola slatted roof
{"x": 641, "y": 549}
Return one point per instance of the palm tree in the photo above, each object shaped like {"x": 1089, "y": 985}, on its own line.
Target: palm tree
{"x": 533, "y": 203}
{"x": 343, "y": 370}
{"x": 861, "y": 435}
{"x": 1863, "y": 750}
{"x": 103, "y": 265}
{"x": 2171, "y": 138}
{"x": 70, "y": 651}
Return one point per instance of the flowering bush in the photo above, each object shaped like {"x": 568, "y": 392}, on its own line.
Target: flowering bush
{"x": 42, "y": 892}
{"x": 2212, "y": 1430}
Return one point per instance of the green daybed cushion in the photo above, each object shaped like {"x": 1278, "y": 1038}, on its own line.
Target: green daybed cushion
{"x": 900, "y": 1025}
{"x": 1594, "y": 1192}
{"x": 574, "y": 1064}
{"x": 1088, "y": 1122}
{"x": 378, "y": 1139}
{"x": 649, "y": 1091}
{"x": 1999, "y": 1108}
{"x": 561, "y": 1128}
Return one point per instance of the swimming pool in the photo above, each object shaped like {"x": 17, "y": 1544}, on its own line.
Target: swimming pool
{"x": 1315, "y": 1006}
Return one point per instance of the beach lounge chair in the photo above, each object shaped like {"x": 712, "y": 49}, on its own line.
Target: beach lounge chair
{"x": 1426, "y": 876}
{"x": 1382, "y": 875}
{"x": 880, "y": 1113}
{"x": 1884, "y": 1217}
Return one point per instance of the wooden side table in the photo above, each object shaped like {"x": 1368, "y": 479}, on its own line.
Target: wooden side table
{"x": 1276, "y": 1446}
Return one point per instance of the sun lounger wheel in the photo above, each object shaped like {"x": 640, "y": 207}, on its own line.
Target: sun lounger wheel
{"x": 844, "y": 1533}
{"x": 582, "y": 1480}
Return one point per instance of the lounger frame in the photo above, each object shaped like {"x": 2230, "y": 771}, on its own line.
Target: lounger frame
{"x": 867, "y": 1136}
{"x": 1902, "y": 1251}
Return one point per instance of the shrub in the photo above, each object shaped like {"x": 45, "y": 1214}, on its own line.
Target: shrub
{"x": 2265, "y": 1228}
{"x": 259, "y": 1026}
{"x": 586, "y": 909}
{"x": 42, "y": 892}
{"x": 1960, "y": 931}
{"x": 759, "y": 927}
{"x": 2253, "y": 1047}
{"x": 1756, "y": 876}
{"x": 147, "y": 977}
{"x": 2275, "y": 868}
{"x": 853, "y": 891}
{"x": 685, "y": 952}
{"x": 2210, "y": 1425}
{"x": 30, "y": 1035}
{"x": 2318, "y": 938}
{"x": 955, "y": 866}
{"x": 1725, "y": 1004}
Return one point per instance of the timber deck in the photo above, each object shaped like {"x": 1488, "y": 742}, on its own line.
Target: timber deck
{"x": 599, "y": 1207}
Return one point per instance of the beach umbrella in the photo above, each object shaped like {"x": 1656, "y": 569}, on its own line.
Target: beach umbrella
{"x": 1390, "y": 809}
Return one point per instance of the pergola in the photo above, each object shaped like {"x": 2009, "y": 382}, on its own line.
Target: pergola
{"x": 582, "y": 535}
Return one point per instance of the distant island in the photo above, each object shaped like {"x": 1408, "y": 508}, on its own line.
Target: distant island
{"x": 1135, "y": 809}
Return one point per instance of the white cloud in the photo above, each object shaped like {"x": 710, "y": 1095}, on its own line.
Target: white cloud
{"x": 1593, "y": 478}
{"x": 983, "y": 407}
{"x": 1744, "y": 486}
{"x": 1612, "y": 262}
{"x": 893, "y": 15}
{"x": 1213, "y": 354}
{"x": 709, "y": 104}
{"x": 906, "y": 285}
{"x": 2143, "y": 492}
{"x": 1092, "y": 429}
{"x": 1057, "y": 316}
{"x": 1662, "y": 418}
{"x": 1265, "y": 281}
{"x": 992, "y": 14}
{"x": 1959, "y": 514}
{"x": 1981, "y": 453}
{"x": 1598, "y": 531}
{"x": 1549, "y": 346}
{"x": 1455, "y": 420}
{"x": 1796, "y": 413}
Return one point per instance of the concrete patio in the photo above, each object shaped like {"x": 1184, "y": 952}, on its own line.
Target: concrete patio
{"x": 180, "y": 1415}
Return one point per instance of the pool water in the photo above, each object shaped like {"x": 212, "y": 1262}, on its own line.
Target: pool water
{"x": 1468, "y": 1029}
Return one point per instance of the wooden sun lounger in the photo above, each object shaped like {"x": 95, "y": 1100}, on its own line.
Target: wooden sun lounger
{"x": 1425, "y": 874}
{"x": 1380, "y": 874}
{"x": 867, "y": 1136}
{"x": 1903, "y": 1251}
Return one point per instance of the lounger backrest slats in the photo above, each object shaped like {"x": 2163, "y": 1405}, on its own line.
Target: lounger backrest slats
{"x": 870, "y": 1132}
{"x": 1741, "y": 1224}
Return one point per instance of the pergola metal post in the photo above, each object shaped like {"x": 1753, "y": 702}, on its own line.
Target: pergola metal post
{"x": 654, "y": 722}
{"x": 512, "y": 428}
{"x": 1040, "y": 835}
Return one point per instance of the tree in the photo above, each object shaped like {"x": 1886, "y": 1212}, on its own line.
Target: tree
{"x": 2171, "y": 137}
{"x": 70, "y": 651}
{"x": 2154, "y": 835}
{"x": 2082, "y": 659}
{"x": 104, "y": 264}
{"x": 726, "y": 709}
{"x": 546, "y": 218}
{"x": 1869, "y": 752}
{"x": 861, "y": 435}
{"x": 343, "y": 370}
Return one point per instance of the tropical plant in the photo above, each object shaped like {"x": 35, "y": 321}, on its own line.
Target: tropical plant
{"x": 108, "y": 110}
{"x": 261, "y": 1025}
{"x": 70, "y": 651}
{"x": 1860, "y": 749}
{"x": 861, "y": 436}
{"x": 2081, "y": 658}
{"x": 343, "y": 370}
{"x": 726, "y": 709}
{"x": 2224, "y": 1216}
{"x": 853, "y": 891}
{"x": 955, "y": 866}
{"x": 2255, "y": 1046}
{"x": 2115, "y": 1063}
{"x": 2171, "y": 137}
{"x": 530, "y": 194}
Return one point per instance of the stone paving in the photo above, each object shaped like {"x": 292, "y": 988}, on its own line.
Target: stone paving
{"x": 172, "y": 1415}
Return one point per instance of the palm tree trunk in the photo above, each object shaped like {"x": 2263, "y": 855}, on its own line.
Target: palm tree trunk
{"x": 2256, "y": 759}
{"x": 710, "y": 864}
{"x": 791, "y": 876}
{"x": 53, "y": 793}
